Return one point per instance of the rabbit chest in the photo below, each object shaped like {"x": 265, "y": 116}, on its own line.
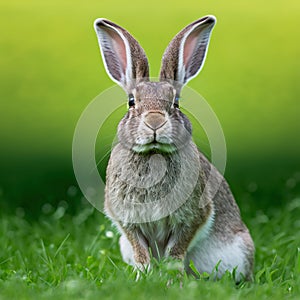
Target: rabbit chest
{"x": 155, "y": 193}
{"x": 147, "y": 188}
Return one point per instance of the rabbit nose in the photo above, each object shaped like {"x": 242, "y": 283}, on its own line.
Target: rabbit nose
{"x": 155, "y": 120}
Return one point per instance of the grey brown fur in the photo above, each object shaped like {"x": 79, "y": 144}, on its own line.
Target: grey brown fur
{"x": 162, "y": 193}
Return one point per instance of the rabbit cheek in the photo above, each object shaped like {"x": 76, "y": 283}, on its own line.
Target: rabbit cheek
{"x": 180, "y": 135}
{"x": 127, "y": 131}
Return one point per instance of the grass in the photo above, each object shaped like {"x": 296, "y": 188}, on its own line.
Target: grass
{"x": 76, "y": 256}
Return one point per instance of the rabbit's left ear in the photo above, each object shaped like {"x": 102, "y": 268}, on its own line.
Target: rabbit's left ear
{"x": 185, "y": 55}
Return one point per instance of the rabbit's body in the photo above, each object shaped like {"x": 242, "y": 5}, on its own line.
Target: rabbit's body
{"x": 205, "y": 235}
{"x": 162, "y": 193}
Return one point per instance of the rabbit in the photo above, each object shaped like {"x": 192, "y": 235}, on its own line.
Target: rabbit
{"x": 162, "y": 193}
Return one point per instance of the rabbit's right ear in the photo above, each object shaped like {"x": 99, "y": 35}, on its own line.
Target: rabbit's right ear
{"x": 185, "y": 55}
{"x": 124, "y": 59}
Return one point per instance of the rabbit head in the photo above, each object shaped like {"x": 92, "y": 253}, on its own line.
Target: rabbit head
{"x": 154, "y": 121}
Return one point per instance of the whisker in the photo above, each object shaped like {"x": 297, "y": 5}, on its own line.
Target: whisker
{"x": 99, "y": 162}
{"x": 103, "y": 157}
{"x": 107, "y": 136}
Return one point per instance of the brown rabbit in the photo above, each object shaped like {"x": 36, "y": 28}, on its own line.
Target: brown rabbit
{"x": 163, "y": 194}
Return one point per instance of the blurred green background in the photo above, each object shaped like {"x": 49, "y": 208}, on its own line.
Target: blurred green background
{"x": 51, "y": 69}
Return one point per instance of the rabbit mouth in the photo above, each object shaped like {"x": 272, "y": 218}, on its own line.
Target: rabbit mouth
{"x": 154, "y": 147}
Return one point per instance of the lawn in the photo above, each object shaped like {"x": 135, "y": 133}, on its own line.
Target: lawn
{"x": 54, "y": 245}
{"x": 75, "y": 256}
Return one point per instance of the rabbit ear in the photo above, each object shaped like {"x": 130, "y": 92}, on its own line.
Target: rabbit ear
{"x": 124, "y": 59}
{"x": 185, "y": 55}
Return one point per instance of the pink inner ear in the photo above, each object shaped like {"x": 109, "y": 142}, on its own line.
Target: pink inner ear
{"x": 189, "y": 46}
{"x": 119, "y": 47}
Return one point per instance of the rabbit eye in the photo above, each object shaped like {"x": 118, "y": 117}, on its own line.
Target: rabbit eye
{"x": 131, "y": 100}
{"x": 176, "y": 101}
